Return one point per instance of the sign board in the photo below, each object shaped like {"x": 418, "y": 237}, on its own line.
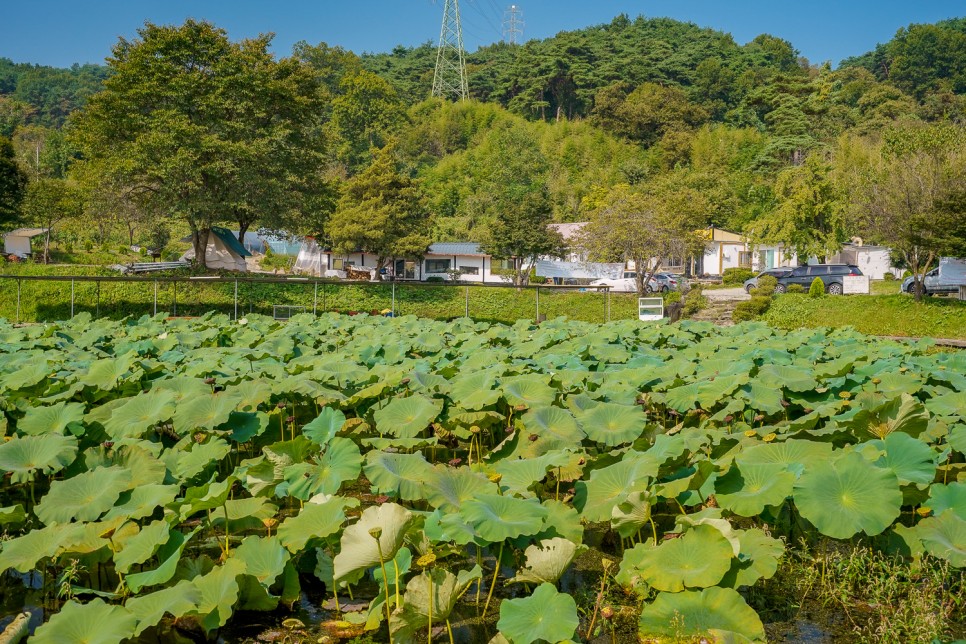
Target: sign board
{"x": 650, "y": 309}
{"x": 855, "y": 285}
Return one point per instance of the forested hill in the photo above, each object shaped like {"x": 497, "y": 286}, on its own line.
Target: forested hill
{"x": 42, "y": 95}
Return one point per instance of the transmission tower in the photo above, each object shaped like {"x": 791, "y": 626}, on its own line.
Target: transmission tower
{"x": 450, "y": 76}
{"x": 513, "y": 25}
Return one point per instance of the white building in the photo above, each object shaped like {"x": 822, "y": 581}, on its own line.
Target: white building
{"x": 874, "y": 261}
{"x": 17, "y": 242}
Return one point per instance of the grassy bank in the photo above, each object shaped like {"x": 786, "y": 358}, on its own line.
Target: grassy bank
{"x": 48, "y": 301}
{"x": 897, "y": 315}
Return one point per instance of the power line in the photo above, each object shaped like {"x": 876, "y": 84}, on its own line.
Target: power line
{"x": 513, "y": 25}
{"x": 449, "y": 78}
{"x": 485, "y": 16}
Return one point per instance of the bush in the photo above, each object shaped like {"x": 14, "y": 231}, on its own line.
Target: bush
{"x": 751, "y": 309}
{"x": 694, "y": 302}
{"x": 795, "y": 288}
{"x": 671, "y": 297}
{"x": 888, "y": 277}
{"x": 766, "y": 286}
{"x": 817, "y": 289}
{"x": 434, "y": 278}
{"x": 736, "y": 276}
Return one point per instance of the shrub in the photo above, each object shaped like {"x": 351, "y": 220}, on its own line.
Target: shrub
{"x": 671, "y": 297}
{"x": 736, "y": 276}
{"x": 766, "y": 286}
{"x": 434, "y": 278}
{"x": 751, "y": 309}
{"x": 694, "y": 302}
{"x": 795, "y": 288}
{"x": 817, "y": 289}
{"x": 888, "y": 277}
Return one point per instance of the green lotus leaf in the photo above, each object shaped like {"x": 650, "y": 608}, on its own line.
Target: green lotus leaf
{"x": 142, "y": 546}
{"x": 496, "y": 518}
{"x": 695, "y": 614}
{"x": 613, "y": 424}
{"x": 698, "y": 559}
{"x": 209, "y": 496}
{"x": 244, "y": 426}
{"x": 142, "y": 501}
{"x": 53, "y": 419}
{"x": 341, "y": 462}
{"x": 948, "y": 404}
{"x": 26, "y": 455}
{"x": 22, "y": 553}
{"x": 847, "y": 495}
{"x": 186, "y": 464}
{"x": 762, "y": 398}
{"x": 758, "y": 559}
{"x": 447, "y": 588}
{"x": 546, "y": 615}
{"x": 903, "y": 414}
{"x": 26, "y": 376}
{"x": 169, "y": 555}
{"x": 475, "y": 391}
{"x": 911, "y": 460}
{"x": 443, "y": 527}
{"x": 204, "y": 412}
{"x": 749, "y": 487}
{"x": 682, "y": 398}
{"x": 104, "y": 374}
{"x": 219, "y": 591}
{"x": 12, "y": 514}
{"x": 547, "y": 429}
{"x": 519, "y": 474}
{"x": 787, "y": 377}
{"x": 360, "y": 550}
{"x": 314, "y": 521}
{"x": 407, "y": 417}
{"x": 948, "y": 497}
{"x": 448, "y": 487}
{"x": 530, "y": 390}
{"x": 140, "y": 413}
{"x": 244, "y": 514}
{"x": 95, "y": 622}
{"x": 795, "y": 454}
{"x": 402, "y": 474}
{"x": 561, "y": 521}
{"x": 631, "y": 514}
{"x": 324, "y": 428}
{"x": 944, "y": 536}
{"x": 595, "y": 498}
{"x": 177, "y": 601}
{"x": 264, "y": 558}
{"x": 957, "y": 438}
{"x": 136, "y": 456}
{"x": 547, "y": 561}
{"x": 84, "y": 497}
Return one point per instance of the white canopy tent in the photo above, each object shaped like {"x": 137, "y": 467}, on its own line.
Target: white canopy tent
{"x": 17, "y": 242}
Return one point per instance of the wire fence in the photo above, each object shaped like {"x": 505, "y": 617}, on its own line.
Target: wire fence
{"x": 47, "y": 298}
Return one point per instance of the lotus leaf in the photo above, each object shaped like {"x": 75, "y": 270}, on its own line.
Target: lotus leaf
{"x": 847, "y": 495}
{"x": 948, "y": 497}
{"x": 547, "y": 561}
{"x": 341, "y": 462}
{"x": 187, "y": 464}
{"x": 519, "y": 474}
{"x": 787, "y": 377}
{"x": 93, "y": 623}
{"x": 84, "y": 497}
{"x": 314, "y": 521}
{"x": 104, "y": 374}
{"x": 12, "y": 514}
{"x": 546, "y": 615}
{"x": 407, "y": 417}
{"x": 169, "y": 554}
{"x": 530, "y": 390}
{"x": 613, "y": 424}
{"x": 749, "y": 487}
{"x": 949, "y": 404}
{"x": 54, "y": 419}
{"x": 475, "y": 390}
{"x": 324, "y": 428}
{"x": 205, "y": 412}
{"x": 957, "y": 438}
{"x": 944, "y": 536}
{"x": 496, "y": 518}
{"x": 447, "y": 588}
{"x": 758, "y": 559}
{"x": 698, "y": 559}
{"x": 24, "y": 456}
{"x": 699, "y": 613}
{"x": 402, "y": 474}
{"x": 902, "y": 414}
{"x": 219, "y": 591}
{"x": 142, "y": 546}
{"x": 140, "y": 413}
{"x": 361, "y": 550}
{"x": 596, "y": 497}
{"x": 553, "y": 428}
{"x": 447, "y": 487}
{"x": 631, "y": 514}
{"x": 22, "y": 553}
{"x": 911, "y": 460}
{"x": 561, "y": 521}
{"x": 177, "y": 601}
{"x": 264, "y": 558}
{"x": 797, "y": 455}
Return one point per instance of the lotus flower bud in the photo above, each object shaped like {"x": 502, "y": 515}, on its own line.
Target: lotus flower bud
{"x": 404, "y": 381}
{"x": 280, "y": 405}
{"x": 290, "y": 419}
{"x": 376, "y": 532}
{"x": 532, "y": 437}
{"x": 455, "y": 462}
{"x": 382, "y": 498}
{"x": 475, "y": 429}
{"x": 520, "y": 408}
{"x": 496, "y": 478}
{"x": 209, "y": 381}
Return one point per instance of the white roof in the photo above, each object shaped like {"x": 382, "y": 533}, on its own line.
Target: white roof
{"x": 568, "y": 231}
{"x": 26, "y": 232}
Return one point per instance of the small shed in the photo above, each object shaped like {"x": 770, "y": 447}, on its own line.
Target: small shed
{"x": 17, "y": 242}
{"x": 224, "y": 251}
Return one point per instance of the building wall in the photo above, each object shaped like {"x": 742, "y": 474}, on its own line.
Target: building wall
{"x": 481, "y": 264}
{"x": 16, "y": 245}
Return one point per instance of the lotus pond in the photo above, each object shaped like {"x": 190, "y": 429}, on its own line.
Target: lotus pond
{"x": 405, "y": 479}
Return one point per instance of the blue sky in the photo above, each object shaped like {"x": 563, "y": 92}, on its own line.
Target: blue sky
{"x": 62, "y": 32}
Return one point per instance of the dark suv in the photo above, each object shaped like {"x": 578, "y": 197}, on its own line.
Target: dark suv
{"x": 830, "y": 274}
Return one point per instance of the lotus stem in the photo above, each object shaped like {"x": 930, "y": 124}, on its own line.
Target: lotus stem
{"x": 429, "y": 615}
{"x": 479, "y": 582}
{"x": 496, "y": 573}
{"x": 556, "y": 494}
{"x": 449, "y": 631}
{"x": 335, "y": 594}
{"x": 385, "y": 577}
{"x": 33, "y": 501}
{"x": 600, "y": 598}
{"x": 653, "y": 529}
{"x": 395, "y": 567}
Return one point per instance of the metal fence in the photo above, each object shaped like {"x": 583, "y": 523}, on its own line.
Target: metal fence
{"x": 39, "y": 298}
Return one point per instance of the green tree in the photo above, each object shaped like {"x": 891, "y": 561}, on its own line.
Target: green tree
{"x": 205, "y": 129}
{"x": 381, "y": 212}
{"x": 13, "y": 184}
{"x": 810, "y": 215}
{"x": 364, "y": 114}
{"x": 48, "y": 203}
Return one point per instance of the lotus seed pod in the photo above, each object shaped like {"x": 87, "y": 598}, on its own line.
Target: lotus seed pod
{"x": 376, "y": 532}
{"x": 426, "y": 560}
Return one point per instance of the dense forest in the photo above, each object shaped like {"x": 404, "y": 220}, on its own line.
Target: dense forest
{"x": 772, "y": 145}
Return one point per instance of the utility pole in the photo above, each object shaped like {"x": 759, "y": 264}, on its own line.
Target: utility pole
{"x": 513, "y": 25}
{"x": 450, "y": 76}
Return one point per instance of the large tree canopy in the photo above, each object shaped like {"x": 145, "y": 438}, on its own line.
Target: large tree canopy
{"x": 208, "y": 129}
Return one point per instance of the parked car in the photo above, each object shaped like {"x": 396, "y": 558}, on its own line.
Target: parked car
{"x": 659, "y": 283}
{"x": 830, "y": 274}
{"x": 933, "y": 283}
{"x": 774, "y": 272}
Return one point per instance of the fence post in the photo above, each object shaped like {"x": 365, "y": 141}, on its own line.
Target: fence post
{"x": 97, "y": 307}
{"x": 325, "y": 307}
{"x": 394, "y": 298}
{"x": 175, "y": 288}
{"x": 18, "y": 301}
{"x": 72, "y": 298}
{"x": 467, "y": 314}
{"x": 315, "y": 300}
{"x": 155, "y": 297}
{"x": 236, "y": 298}
{"x": 608, "y": 304}
{"x": 538, "y": 304}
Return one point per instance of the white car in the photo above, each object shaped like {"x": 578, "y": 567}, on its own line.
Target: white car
{"x": 628, "y": 283}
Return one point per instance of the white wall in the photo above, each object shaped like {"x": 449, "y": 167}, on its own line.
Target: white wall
{"x": 16, "y": 245}
{"x": 483, "y": 266}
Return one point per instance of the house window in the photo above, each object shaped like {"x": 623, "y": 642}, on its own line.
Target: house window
{"x": 744, "y": 259}
{"x": 437, "y": 265}
{"x": 503, "y": 264}
{"x": 338, "y": 264}
{"x": 470, "y": 270}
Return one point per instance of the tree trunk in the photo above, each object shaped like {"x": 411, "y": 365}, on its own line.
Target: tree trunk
{"x": 242, "y": 229}
{"x": 919, "y": 277}
{"x": 199, "y": 240}
{"x": 47, "y": 246}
